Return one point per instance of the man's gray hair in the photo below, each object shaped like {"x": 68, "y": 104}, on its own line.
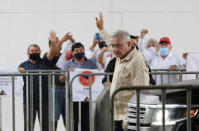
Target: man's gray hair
{"x": 152, "y": 41}
{"x": 122, "y": 34}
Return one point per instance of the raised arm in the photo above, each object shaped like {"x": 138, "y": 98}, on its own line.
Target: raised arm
{"x": 101, "y": 58}
{"x": 66, "y": 37}
{"x": 100, "y": 25}
{"x": 141, "y": 42}
{"x": 52, "y": 45}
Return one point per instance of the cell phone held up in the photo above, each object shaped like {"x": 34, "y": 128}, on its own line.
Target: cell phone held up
{"x": 97, "y": 37}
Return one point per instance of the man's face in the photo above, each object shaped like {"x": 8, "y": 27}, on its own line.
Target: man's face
{"x": 134, "y": 41}
{"x": 151, "y": 44}
{"x": 165, "y": 45}
{"x": 33, "y": 49}
{"x": 78, "y": 50}
{"x": 120, "y": 48}
{"x": 78, "y": 53}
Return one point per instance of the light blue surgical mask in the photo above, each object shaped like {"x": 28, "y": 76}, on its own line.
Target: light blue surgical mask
{"x": 164, "y": 51}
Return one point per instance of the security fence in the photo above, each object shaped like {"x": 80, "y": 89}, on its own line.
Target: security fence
{"x": 162, "y": 106}
{"x": 51, "y": 76}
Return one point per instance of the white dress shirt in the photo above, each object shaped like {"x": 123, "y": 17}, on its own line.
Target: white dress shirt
{"x": 157, "y": 62}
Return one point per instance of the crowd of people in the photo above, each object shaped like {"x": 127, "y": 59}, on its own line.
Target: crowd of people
{"x": 129, "y": 57}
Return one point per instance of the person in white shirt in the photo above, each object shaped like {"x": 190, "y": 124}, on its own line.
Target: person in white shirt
{"x": 166, "y": 59}
{"x": 151, "y": 49}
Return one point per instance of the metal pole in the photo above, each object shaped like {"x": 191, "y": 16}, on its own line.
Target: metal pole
{"x": 31, "y": 103}
{"x": 67, "y": 102}
{"x": 138, "y": 109}
{"x": 71, "y": 106}
{"x": 168, "y": 78}
{"x": 188, "y": 110}
{"x": 0, "y": 114}
{"x": 13, "y": 103}
{"x": 180, "y": 77}
{"x": 49, "y": 103}
{"x": 53, "y": 87}
{"x": 79, "y": 118}
{"x": 40, "y": 101}
{"x": 90, "y": 103}
{"x": 27, "y": 104}
{"x": 161, "y": 77}
{"x": 163, "y": 108}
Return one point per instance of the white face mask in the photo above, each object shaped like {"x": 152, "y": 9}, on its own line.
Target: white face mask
{"x": 152, "y": 50}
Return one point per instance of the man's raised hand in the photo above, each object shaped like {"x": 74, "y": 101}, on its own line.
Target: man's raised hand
{"x": 100, "y": 22}
{"x": 52, "y": 38}
{"x": 66, "y": 37}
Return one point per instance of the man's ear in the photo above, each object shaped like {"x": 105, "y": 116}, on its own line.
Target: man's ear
{"x": 170, "y": 47}
{"x": 72, "y": 53}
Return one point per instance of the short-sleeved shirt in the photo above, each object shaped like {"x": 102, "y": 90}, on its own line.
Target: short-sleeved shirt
{"x": 87, "y": 64}
{"x": 43, "y": 64}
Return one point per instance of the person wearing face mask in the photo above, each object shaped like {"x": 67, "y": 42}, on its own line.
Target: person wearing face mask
{"x": 151, "y": 50}
{"x": 166, "y": 59}
{"x": 79, "y": 60}
{"x": 35, "y": 62}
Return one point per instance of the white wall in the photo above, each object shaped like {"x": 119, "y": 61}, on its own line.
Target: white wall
{"x": 23, "y": 22}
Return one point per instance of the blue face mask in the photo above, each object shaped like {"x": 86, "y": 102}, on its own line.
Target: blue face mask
{"x": 164, "y": 51}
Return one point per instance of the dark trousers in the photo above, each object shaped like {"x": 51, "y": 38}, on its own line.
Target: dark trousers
{"x": 84, "y": 116}
{"x": 118, "y": 125}
{"x": 45, "y": 119}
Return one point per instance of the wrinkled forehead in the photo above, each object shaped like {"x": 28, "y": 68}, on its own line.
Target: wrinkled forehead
{"x": 79, "y": 49}
{"x": 116, "y": 41}
{"x": 164, "y": 44}
{"x": 34, "y": 48}
{"x": 151, "y": 43}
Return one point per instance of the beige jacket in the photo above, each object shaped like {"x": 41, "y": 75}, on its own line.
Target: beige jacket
{"x": 130, "y": 71}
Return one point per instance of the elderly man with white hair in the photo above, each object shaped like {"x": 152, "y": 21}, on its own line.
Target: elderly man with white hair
{"x": 130, "y": 70}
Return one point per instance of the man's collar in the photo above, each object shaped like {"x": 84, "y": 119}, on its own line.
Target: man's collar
{"x": 32, "y": 62}
{"x": 129, "y": 55}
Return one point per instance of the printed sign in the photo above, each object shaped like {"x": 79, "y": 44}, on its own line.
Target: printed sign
{"x": 192, "y": 65}
{"x": 80, "y": 85}
{"x": 6, "y": 82}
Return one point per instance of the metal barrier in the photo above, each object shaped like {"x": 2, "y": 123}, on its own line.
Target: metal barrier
{"x": 50, "y": 74}
{"x": 28, "y": 77}
{"x": 70, "y": 117}
{"x": 170, "y": 76}
{"x": 163, "y": 89}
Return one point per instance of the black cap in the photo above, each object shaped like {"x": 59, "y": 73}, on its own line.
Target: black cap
{"x": 134, "y": 37}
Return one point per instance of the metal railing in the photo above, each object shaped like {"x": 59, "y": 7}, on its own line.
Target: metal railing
{"x": 165, "y": 76}
{"x": 50, "y": 74}
{"x": 163, "y": 89}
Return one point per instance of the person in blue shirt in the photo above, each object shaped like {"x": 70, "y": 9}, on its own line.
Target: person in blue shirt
{"x": 79, "y": 61}
{"x": 35, "y": 62}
